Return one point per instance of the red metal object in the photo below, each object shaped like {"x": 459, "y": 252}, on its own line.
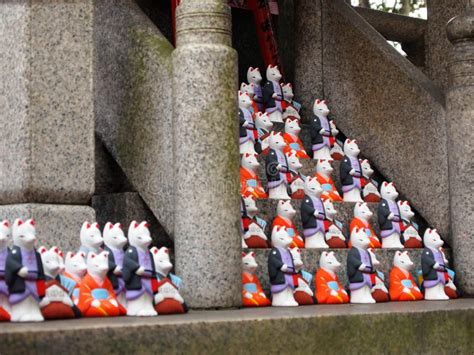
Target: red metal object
{"x": 263, "y": 23}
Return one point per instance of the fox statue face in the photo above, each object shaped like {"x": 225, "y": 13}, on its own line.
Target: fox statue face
{"x": 139, "y": 235}
{"x": 281, "y": 238}
{"x": 24, "y": 234}
{"x": 432, "y": 239}
{"x": 161, "y": 258}
{"x": 273, "y": 73}
{"x": 351, "y": 148}
{"x": 254, "y": 76}
{"x": 320, "y": 108}
{"x": 244, "y": 100}
{"x": 359, "y": 238}
{"x": 388, "y": 191}
{"x": 312, "y": 187}
{"x": 5, "y": 234}
{"x": 329, "y": 262}
{"x": 362, "y": 211}
{"x": 90, "y": 235}
{"x": 76, "y": 264}
{"x": 249, "y": 264}
{"x": 114, "y": 236}
{"x": 98, "y": 265}
{"x": 402, "y": 260}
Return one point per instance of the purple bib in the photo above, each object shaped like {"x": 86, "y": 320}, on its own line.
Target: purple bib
{"x": 367, "y": 260}
{"x": 356, "y": 179}
{"x": 319, "y": 207}
{"x": 144, "y": 260}
{"x": 393, "y": 207}
{"x": 438, "y": 256}
{"x": 28, "y": 259}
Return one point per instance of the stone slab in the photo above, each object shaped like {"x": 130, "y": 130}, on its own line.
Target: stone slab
{"x": 401, "y": 128}
{"x": 311, "y": 257}
{"x": 46, "y": 105}
{"x": 126, "y": 207}
{"x": 56, "y": 225}
{"x": 133, "y": 101}
{"x": 398, "y": 327}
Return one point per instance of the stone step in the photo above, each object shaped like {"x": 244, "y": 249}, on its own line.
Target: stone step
{"x": 398, "y": 327}
{"x": 267, "y": 211}
{"x": 311, "y": 257}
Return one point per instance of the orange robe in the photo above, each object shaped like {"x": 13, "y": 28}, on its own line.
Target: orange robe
{"x": 258, "y": 191}
{"x": 397, "y": 275}
{"x": 106, "y": 308}
{"x": 359, "y": 223}
{"x": 259, "y": 299}
{"x": 323, "y": 291}
{"x": 298, "y": 241}
{"x": 300, "y": 152}
{"x": 333, "y": 194}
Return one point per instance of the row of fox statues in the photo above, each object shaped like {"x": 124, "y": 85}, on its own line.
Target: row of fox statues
{"x": 291, "y": 285}
{"x": 101, "y": 279}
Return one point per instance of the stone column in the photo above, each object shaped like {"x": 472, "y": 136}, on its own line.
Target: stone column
{"x": 460, "y": 121}
{"x": 46, "y": 116}
{"x": 207, "y": 217}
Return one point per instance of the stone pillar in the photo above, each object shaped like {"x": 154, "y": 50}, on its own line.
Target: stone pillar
{"x": 46, "y": 115}
{"x": 460, "y": 120}
{"x": 206, "y": 158}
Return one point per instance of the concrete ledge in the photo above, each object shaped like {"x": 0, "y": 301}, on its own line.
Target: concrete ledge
{"x": 415, "y": 327}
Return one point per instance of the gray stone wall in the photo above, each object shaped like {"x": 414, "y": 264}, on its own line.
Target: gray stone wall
{"x": 133, "y": 101}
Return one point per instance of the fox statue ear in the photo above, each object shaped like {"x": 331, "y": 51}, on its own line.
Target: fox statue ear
{"x": 318, "y": 101}
{"x": 42, "y": 250}
{"x": 243, "y": 254}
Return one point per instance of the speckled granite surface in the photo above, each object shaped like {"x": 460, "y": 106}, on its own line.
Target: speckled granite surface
{"x": 46, "y": 105}
{"x": 133, "y": 101}
{"x": 56, "y": 225}
{"x": 390, "y": 107}
{"x": 426, "y": 327}
{"x": 207, "y": 239}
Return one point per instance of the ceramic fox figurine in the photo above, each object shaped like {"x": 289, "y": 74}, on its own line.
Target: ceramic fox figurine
{"x": 24, "y": 274}
{"x": 433, "y": 265}
{"x": 273, "y": 94}
{"x": 96, "y": 293}
{"x": 115, "y": 241}
{"x": 379, "y": 290}
{"x": 4, "y": 294}
{"x": 402, "y": 284}
{"x": 369, "y": 192}
{"x": 250, "y": 184}
{"x": 252, "y": 291}
{"x": 352, "y": 180}
{"x": 292, "y": 139}
{"x": 281, "y": 270}
{"x": 254, "y": 77}
{"x": 360, "y": 268}
{"x": 303, "y": 294}
{"x": 250, "y": 90}
{"x": 313, "y": 215}
{"x": 409, "y": 229}
{"x": 56, "y": 304}
{"x": 76, "y": 269}
{"x": 139, "y": 272}
{"x": 333, "y": 228}
{"x": 324, "y": 170}
{"x": 320, "y": 130}
{"x": 91, "y": 238}
{"x": 264, "y": 127}
{"x": 329, "y": 289}
{"x": 361, "y": 220}
{"x": 296, "y": 179}
{"x": 277, "y": 168}
{"x": 388, "y": 214}
{"x": 253, "y": 227}
{"x": 247, "y": 130}
{"x": 168, "y": 299}
{"x": 284, "y": 218}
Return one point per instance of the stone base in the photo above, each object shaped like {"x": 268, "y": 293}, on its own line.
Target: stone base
{"x": 126, "y": 207}
{"x": 443, "y": 327}
{"x": 56, "y": 225}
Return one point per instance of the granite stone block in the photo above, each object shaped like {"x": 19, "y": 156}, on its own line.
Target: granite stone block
{"x": 46, "y": 105}
{"x": 133, "y": 101}
{"x": 126, "y": 207}
{"x": 400, "y": 128}
{"x": 56, "y": 225}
